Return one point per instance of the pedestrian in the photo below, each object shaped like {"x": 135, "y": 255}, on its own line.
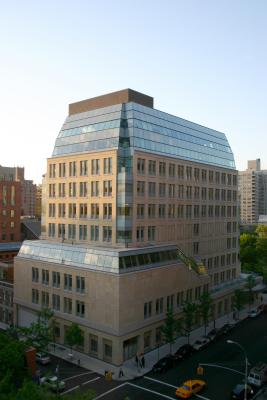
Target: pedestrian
{"x": 143, "y": 362}
{"x": 121, "y": 373}
{"x": 136, "y": 360}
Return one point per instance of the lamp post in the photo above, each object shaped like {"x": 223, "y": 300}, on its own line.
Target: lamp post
{"x": 246, "y": 364}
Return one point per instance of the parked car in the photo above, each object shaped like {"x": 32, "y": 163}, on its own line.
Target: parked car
{"x": 254, "y": 313}
{"x": 201, "y": 343}
{"x": 164, "y": 364}
{"x": 212, "y": 335}
{"x": 239, "y": 391}
{"x": 183, "y": 352}
{"x": 226, "y": 328}
{"x": 53, "y": 383}
{"x": 189, "y": 388}
{"x": 43, "y": 358}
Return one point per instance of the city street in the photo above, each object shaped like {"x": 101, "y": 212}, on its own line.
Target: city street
{"x": 250, "y": 333}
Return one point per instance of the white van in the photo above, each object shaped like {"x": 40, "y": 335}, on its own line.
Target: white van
{"x": 258, "y": 375}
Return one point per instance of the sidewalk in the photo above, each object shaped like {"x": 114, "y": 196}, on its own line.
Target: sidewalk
{"x": 129, "y": 367}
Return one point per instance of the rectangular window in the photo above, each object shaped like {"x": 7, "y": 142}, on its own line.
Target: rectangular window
{"x": 80, "y": 309}
{"x": 171, "y": 170}
{"x": 61, "y": 210}
{"x": 152, "y": 167}
{"x": 83, "y": 210}
{"x": 151, "y": 189}
{"x": 35, "y": 274}
{"x": 52, "y": 191}
{"x": 55, "y": 279}
{"x": 140, "y": 188}
{"x": 45, "y": 299}
{"x": 107, "y": 188}
{"x": 72, "y": 210}
{"x": 196, "y": 174}
{"x": 45, "y": 277}
{"x": 188, "y": 211}
{"x": 159, "y": 305}
{"x": 107, "y": 211}
{"x": 161, "y": 210}
{"x": 94, "y": 211}
{"x": 140, "y": 211}
{"x": 204, "y": 175}
{"x": 83, "y": 168}
{"x": 67, "y": 282}
{"x": 80, "y": 284}
{"x": 162, "y": 190}
{"x": 171, "y": 190}
{"x": 83, "y": 189}
{"x": 51, "y": 230}
{"x": 71, "y": 231}
{"x": 151, "y": 210}
{"x": 93, "y": 343}
{"x": 162, "y": 168}
{"x": 180, "y": 171}
{"x": 95, "y": 167}
{"x": 179, "y": 299}
{"x": 108, "y": 165}
{"x": 204, "y": 193}
{"x": 147, "y": 309}
{"x": 180, "y": 191}
{"x": 195, "y": 248}
{"x": 67, "y": 305}
{"x": 196, "y": 229}
{"x": 52, "y": 210}
{"x": 94, "y": 188}
{"x": 140, "y": 166}
{"x": 211, "y": 176}
{"x": 61, "y": 231}
{"x": 107, "y": 234}
{"x": 83, "y": 232}
{"x": 35, "y": 296}
{"x": 61, "y": 190}
{"x": 170, "y": 302}
{"x": 55, "y": 302}
{"x": 196, "y": 211}
{"x": 188, "y": 173}
{"x": 180, "y": 211}
{"x": 72, "y": 168}
{"x": 203, "y": 211}
{"x": 62, "y": 170}
{"x": 94, "y": 233}
{"x": 151, "y": 233}
{"x": 171, "y": 211}
{"x": 72, "y": 189}
{"x": 52, "y": 170}
{"x": 140, "y": 233}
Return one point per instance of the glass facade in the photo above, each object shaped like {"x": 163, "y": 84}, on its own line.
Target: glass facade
{"x": 133, "y": 126}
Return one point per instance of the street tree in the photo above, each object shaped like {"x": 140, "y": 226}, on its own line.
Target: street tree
{"x": 74, "y": 335}
{"x": 250, "y": 284}
{"x": 239, "y": 300}
{"x": 189, "y": 314}
{"x": 205, "y": 308}
{"x": 171, "y": 328}
{"x": 39, "y": 334}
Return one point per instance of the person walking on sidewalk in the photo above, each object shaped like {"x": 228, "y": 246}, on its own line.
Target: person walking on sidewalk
{"x": 143, "y": 362}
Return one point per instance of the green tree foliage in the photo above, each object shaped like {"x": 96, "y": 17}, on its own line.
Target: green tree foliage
{"x": 250, "y": 284}
{"x": 239, "y": 300}
{"x": 189, "y": 313}
{"x": 253, "y": 251}
{"x": 11, "y": 360}
{"x": 205, "y": 308}
{"x": 171, "y": 328}
{"x": 30, "y": 391}
{"x": 74, "y": 335}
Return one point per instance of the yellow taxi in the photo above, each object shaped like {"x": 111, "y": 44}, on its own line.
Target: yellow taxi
{"x": 189, "y": 388}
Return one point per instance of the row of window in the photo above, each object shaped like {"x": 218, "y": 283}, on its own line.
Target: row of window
{"x": 184, "y": 192}
{"x": 8, "y": 197}
{"x": 43, "y": 298}
{"x": 223, "y": 276}
{"x": 221, "y": 261}
{"x": 72, "y": 210}
{"x": 5, "y": 212}
{"x": 63, "y": 169}
{"x": 161, "y": 168}
{"x": 83, "y": 189}
{"x": 56, "y": 279}
{"x": 83, "y": 232}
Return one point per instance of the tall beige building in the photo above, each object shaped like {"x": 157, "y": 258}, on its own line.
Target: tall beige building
{"x": 139, "y": 214}
{"x": 252, "y": 192}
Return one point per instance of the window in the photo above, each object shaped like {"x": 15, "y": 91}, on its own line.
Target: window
{"x": 108, "y": 165}
{"x": 170, "y": 301}
{"x": 162, "y": 190}
{"x": 204, "y": 193}
{"x": 51, "y": 230}
{"x": 107, "y": 210}
{"x": 93, "y": 343}
{"x": 94, "y": 188}
{"x": 56, "y": 302}
{"x": 171, "y": 190}
{"x": 95, "y": 167}
{"x": 83, "y": 189}
{"x": 45, "y": 299}
{"x": 80, "y": 309}
{"x": 151, "y": 233}
{"x": 94, "y": 233}
{"x": 61, "y": 231}
{"x": 196, "y": 174}
{"x": 72, "y": 189}
{"x": 161, "y": 210}
{"x": 171, "y": 170}
{"x": 52, "y": 170}
{"x": 196, "y": 211}
{"x": 72, "y": 168}
{"x": 61, "y": 190}
{"x": 151, "y": 210}
{"x": 35, "y": 296}
{"x": 188, "y": 211}
{"x": 217, "y": 194}
{"x": 229, "y": 179}
{"x": 211, "y": 176}
{"x": 162, "y": 168}
{"x": 204, "y": 175}
{"x": 196, "y": 247}
{"x": 35, "y": 274}
{"x": 180, "y": 192}
{"x": 211, "y": 194}
{"x": 52, "y": 210}
{"x": 83, "y": 232}
{"x": 62, "y": 170}
{"x": 180, "y": 171}
{"x": 108, "y": 349}
{"x": 151, "y": 189}
{"x": 140, "y": 188}
{"x": 179, "y": 299}
{"x": 223, "y": 178}
{"x": 52, "y": 191}
{"x": 234, "y": 180}
{"x": 171, "y": 211}
{"x": 217, "y": 177}
{"x": 83, "y": 210}
{"x": 45, "y": 277}
{"x": 196, "y": 229}
{"x": 62, "y": 210}
{"x": 151, "y": 167}
{"x": 94, "y": 211}
{"x": 83, "y": 168}
{"x": 159, "y": 305}
{"x": 180, "y": 211}
{"x": 107, "y": 233}
{"x": 67, "y": 305}
{"x": 67, "y": 282}
{"x": 140, "y": 233}
{"x": 211, "y": 211}
{"x": 189, "y": 192}
{"x": 228, "y": 227}
{"x": 72, "y": 210}
{"x": 55, "y": 279}
{"x": 140, "y": 211}
{"x": 140, "y": 166}
{"x": 147, "y": 309}
{"x": 107, "y": 188}
{"x": 80, "y": 284}
{"x": 71, "y": 231}
{"x": 196, "y": 192}
{"x": 188, "y": 173}
{"x": 203, "y": 211}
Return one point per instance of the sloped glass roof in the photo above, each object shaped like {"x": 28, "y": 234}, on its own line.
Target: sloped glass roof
{"x": 148, "y": 129}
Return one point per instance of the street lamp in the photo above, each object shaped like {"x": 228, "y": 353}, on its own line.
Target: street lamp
{"x": 246, "y": 364}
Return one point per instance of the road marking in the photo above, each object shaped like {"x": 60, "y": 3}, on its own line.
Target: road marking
{"x": 109, "y": 391}
{"x": 163, "y": 383}
{"x": 91, "y": 380}
{"x": 202, "y": 397}
{"x": 77, "y": 376}
{"x": 151, "y": 391}
{"x": 70, "y": 390}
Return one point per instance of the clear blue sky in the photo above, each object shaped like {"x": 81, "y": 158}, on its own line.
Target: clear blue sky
{"x": 205, "y": 61}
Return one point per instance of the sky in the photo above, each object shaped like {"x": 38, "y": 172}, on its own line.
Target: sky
{"x": 205, "y": 61}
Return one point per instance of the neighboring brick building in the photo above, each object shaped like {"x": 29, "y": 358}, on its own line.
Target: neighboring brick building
{"x": 10, "y": 209}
